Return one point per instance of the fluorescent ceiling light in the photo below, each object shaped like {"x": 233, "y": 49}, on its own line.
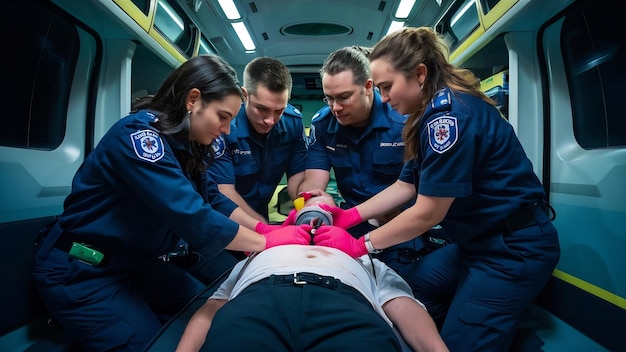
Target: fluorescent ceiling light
{"x": 244, "y": 36}
{"x": 394, "y": 26}
{"x": 230, "y": 10}
{"x": 404, "y": 9}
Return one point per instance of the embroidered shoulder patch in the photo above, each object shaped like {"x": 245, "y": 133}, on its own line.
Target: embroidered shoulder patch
{"x": 147, "y": 145}
{"x": 443, "y": 132}
{"x": 219, "y": 147}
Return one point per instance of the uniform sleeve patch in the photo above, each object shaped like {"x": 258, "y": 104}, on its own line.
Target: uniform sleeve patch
{"x": 219, "y": 147}
{"x": 148, "y": 145}
{"x": 443, "y": 133}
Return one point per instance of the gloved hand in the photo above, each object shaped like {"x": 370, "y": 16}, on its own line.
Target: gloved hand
{"x": 336, "y": 237}
{"x": 263, "y": 228}
{"x": 291, "y": 218}
{"x": 267, "y": 228}
{"x": 305, "y": 195}
{"x": 343, "y": 218}
{"x": 288, "y": 235}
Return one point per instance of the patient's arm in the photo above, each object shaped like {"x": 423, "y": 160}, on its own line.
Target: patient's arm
{"x": 195, "y": 333}
{"x": 415, "y": 324}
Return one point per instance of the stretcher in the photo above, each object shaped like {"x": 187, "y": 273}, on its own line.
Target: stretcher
{"x": 168, "y": 337}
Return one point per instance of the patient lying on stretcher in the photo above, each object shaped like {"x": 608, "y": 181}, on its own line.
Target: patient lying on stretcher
{"x": 301, "y": 298}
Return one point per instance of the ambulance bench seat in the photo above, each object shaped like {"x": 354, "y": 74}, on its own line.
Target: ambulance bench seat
{"x": 24, "y": 323}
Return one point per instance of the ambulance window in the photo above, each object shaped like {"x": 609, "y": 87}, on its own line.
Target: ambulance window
{"x": 37, "y": 74}
{"x": 594, "y": 54}
{"x": 459, "y": 23}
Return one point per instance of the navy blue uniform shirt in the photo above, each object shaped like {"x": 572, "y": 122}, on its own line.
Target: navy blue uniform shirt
{"x": 132, "y": 194}
{"x": 254, "y": 165}
{"x": 364, "y": 163}
{"x": 470, "y": 152}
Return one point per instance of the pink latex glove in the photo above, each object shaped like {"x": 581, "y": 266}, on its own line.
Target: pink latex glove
{"x": 343, "y": 218}
{"x": 291, "y": 218}
{"x": 305, "y": 195}
{"x": 336, "y": 237}
{"x": 288, "y": 235}
{"x": 264, "y": 228}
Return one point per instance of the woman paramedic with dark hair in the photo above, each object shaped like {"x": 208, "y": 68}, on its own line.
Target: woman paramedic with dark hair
{"x": 473, "y": 178}
{"x": 97, "y": 269}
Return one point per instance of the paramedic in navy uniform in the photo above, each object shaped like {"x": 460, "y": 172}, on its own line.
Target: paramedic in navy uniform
{"x": 97, "y": 269}
{"x": 356, "y": 134}
{"x": 360, "y": 137}
{"x": 266, "y": 140}
{"x": 473, "y": 177}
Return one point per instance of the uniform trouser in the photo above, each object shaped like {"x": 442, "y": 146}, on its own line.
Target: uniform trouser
{"x": 433, "y": 278}
{"x": 120, "y": 307}
{"x": 501, "y": 274}
{"x": 287, "y": 317}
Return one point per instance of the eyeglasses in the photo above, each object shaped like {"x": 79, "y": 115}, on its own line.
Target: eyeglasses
{"x": 341, "y": 101}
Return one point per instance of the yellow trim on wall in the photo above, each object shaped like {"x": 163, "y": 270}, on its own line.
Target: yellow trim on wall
{"x": 594, "y": 290}
{"x": 147, "y": 23}
{"x": 478, "y": 32}
{"x": 143, "y": 20}
{"x": 485, "y": 22}
{"x": 169, "y": 47}
{"x": 488, "y": 19}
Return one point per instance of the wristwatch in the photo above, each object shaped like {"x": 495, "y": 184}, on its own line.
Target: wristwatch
{"x": 369, "y": 246}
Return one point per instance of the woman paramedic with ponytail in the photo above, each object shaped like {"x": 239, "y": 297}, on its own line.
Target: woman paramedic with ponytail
{"x": 136, "y": 195}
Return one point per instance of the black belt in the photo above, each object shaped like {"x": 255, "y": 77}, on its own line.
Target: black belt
{"x": 304, "y": 279}
{"x": 404, "y": 254}
{"x": 531, "y": 215}
{"x": 298, "y": 279}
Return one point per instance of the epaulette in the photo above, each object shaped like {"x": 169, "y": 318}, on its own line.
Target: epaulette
{"x": 292, "y": 111}
{"x": 148, "y": 116}
{"x": 442, "y": 101}
{"x": 321, "y": 114}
